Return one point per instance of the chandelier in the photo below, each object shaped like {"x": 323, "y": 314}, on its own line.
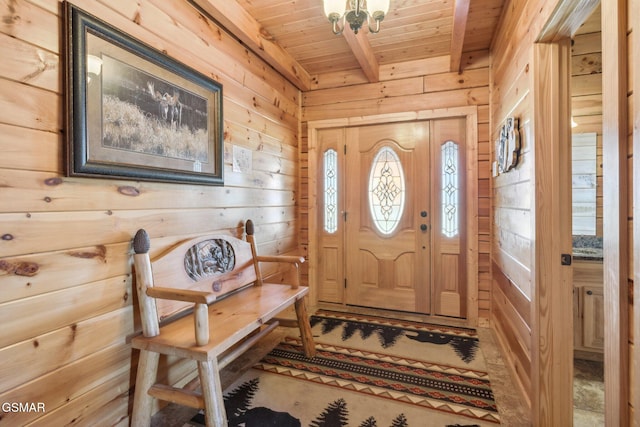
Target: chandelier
{"x": 357, "y": 12}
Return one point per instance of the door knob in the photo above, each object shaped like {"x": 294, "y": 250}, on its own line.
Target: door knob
{"x": 423, "y": 214}
{"x": 423, "y": 227}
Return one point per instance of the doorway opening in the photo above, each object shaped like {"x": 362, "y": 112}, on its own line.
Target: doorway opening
{"x": 325, "y": 247}
{"x": 552, "y": 360}
{"x": 587, "y": 222}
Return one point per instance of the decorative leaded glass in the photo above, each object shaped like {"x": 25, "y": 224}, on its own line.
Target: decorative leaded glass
{"x": 450, "y": 189}
{"x": 386, "y": 190}
{"x": 330, "y": 191}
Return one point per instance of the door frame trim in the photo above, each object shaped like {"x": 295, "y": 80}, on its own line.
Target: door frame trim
{"x": 616, "y": 225}
{"x": 567, "y": 17}
{"x": 470, "y": 113}
{"x": 552, "y": 346}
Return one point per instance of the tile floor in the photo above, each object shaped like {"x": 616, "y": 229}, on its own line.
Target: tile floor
{"x": 511, "y": 405}
{"x": 588, "y": 393}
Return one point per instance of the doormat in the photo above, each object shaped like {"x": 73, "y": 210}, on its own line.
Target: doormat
{"x": 368, "y": 372}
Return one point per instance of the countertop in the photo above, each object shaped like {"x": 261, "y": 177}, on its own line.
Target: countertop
{"x": 587, "y": 254}
{"x": 587, "y": 248}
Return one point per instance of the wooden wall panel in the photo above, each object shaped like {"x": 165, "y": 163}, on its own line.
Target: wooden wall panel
{"x": 633, "y": 51}
{"x": 68, "y": 382}
{"x": 408, "y": 87}
{"x": 617, "y": 236}
{"x": 513, "y": 192}
{"x": 66, "y": 305}
{"x": 353, "y": 106}
{"x": 510, "y": 311}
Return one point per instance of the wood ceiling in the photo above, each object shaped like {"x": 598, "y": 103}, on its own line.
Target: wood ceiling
{"x": 295, "y": 37}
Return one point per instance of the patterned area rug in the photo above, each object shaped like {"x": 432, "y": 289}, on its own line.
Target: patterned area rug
{"x": 368, "y": 372}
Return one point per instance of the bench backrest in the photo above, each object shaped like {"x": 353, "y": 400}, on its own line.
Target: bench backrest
{"x": 212, "y": 263}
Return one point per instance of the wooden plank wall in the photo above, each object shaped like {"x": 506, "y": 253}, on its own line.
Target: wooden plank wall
{"x": 66, "y": 302}
{"x": 406, "y": 87}
{"x": 513, "y": 232}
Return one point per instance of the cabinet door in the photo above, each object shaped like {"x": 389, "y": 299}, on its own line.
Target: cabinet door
{"x": 593, "y": 317}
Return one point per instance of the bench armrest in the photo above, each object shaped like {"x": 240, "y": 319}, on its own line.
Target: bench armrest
{"x": 201, "y": 300}
{"x": 196, "y": 297}
{"x": 292, "y": 259}
{"x": 295, "y": 262}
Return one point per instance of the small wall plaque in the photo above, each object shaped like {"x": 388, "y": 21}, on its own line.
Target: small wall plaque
{"x": 242, "y": 160}
{"x": 508, "y": 145}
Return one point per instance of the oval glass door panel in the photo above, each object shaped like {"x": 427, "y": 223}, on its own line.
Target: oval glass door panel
{"x": 386, "y": 190}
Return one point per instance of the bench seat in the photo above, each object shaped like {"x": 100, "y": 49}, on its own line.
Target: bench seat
{"x": 230, "y": 320}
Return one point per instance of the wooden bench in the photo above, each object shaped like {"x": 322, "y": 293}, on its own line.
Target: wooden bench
{"x": 205, "y": 299}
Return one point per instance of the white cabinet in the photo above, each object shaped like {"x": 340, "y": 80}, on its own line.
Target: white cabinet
{"x": 588, "y": 306}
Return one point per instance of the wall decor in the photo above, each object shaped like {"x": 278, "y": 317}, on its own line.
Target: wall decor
{"x": 242, "y": 161}
{"x": 134, "y": 112}
{"x": 508, "y": 145}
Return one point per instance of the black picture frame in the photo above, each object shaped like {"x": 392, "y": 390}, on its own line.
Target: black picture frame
{"x": 135, "y": 113}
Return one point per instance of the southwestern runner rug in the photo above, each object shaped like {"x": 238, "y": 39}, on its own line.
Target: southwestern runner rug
{"x": 368, "y": 372}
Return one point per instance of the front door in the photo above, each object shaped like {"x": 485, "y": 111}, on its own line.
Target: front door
{"x": 387, "y": 206}
{"x": 393, "y": 215}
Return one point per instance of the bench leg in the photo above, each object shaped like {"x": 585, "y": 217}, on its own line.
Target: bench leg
{"x": 305, "y": 328}
{"x": 145, "y": 378}
{"x": 214, "y": 412}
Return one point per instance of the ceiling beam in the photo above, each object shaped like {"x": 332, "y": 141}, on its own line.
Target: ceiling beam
{"x": 460, "y": 15}
{"x": 242, "y": 25}
{"x": 364, "y": 54}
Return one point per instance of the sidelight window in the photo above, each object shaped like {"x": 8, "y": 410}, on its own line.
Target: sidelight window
{"x": 386, "y": 190}
{"x": 450, "y": 189}
{"x": 331, "y": 191}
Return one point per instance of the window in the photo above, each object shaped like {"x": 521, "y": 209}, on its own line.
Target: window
{"x": 330, "y": 191}
{"x": 450, "y": 189}
{"x": 585, "y": 178}
{"x": 386, "y": 190}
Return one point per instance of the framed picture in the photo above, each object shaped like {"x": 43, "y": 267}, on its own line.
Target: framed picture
{"x": 135, "y": 113}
